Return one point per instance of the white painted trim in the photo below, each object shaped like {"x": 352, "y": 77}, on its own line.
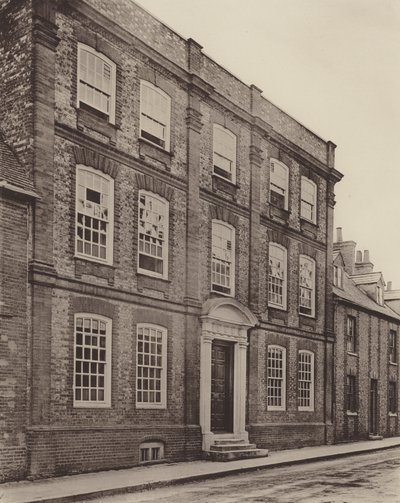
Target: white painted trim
{"x": 233, "y": 262}
{"x": 305, "y": 179}
{"x": 149, "y": 85}
{"x": 282, "y": 306}
{"x": 283, "y": 405}
{"x": 310, "y": 408}
{"x": 312, "y": 261}
{"x": 234, "y": 139}
{"x": 286, "y": 187}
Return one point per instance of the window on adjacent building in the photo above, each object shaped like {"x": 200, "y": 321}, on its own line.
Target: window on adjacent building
{"x": 351, "y": 394}
{"x": 392, "y": 405}
{"x": 277, "y": 273}
{"x": 379, "y": 295}
{"x": 338, "y": 276}
{"x": 308, "y": 208}
{"x": 224, "y": 158}
{"x": 392, "y": 346}
{"x": 151, "y": 368}
{"x": 153, "y": 235}
{"x": 151, "y": 451}
{"x": 92, "y": 361}
{"x": 94, "y": 214}
{"x": 306, "y": 380}
{"x": 223, "y": 258}
{"x": 276, "y": 378}
{"x": 307, "y": 286}
{"x": 351, "y": 334}
{"x": 96, "y": 81}
{"x": 155, "y": 114}
{"x": 279, "y": 184}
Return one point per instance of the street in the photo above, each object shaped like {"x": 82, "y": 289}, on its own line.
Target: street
{"x": 368, "y": 478}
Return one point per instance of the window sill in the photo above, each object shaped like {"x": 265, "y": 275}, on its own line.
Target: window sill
{"x": 395, "y": 364}
{"x": 221, "y": 183}
{"x": 86, "y": 405}
{"x": 352, "y": 354}
{"x": 349, "y": 413}
{"x": 276, "y": 409}
{"x": 151, "y": 406}
{"x": 392, "y": 414}
{"x": 147, "y": 274}
{"x": 278, "y": 307}
{"x": 90, "y": 118}
{"x": 305, "y": 409}
{"x": 307, "y": 316}
{"x": 155, "y": 152}
{"x": 221, "y": 293}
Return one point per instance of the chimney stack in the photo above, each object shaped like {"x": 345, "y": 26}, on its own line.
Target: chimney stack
{"x": 389, "y": 285}
{"x": 359, "y": 256}
{"x": 363, "y": 264}
{"x": 339, "y": 235}
{"x": 347, "y": 250}
{"x": 366, "y": 256}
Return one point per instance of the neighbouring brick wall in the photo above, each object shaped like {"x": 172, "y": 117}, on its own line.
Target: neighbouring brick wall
{"x": 13, "y": 337}
{"x": 287, "y": 435}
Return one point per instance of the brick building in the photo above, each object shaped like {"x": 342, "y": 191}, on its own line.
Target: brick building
{"x": 367, "y": 378}
{"x": 180, "y": 256}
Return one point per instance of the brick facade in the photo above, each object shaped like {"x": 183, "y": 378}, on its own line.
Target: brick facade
{"x": 61, "y": 437}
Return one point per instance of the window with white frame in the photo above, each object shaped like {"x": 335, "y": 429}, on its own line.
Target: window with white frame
{"x": 94, "y": 215}
{"x": 277, "y": 273}
{"x": 307, "y": 286}
{"x": 224, "y": 157}
{"x": 151, "y": 366}
{"x": 276, "y": 378}
{"x": 392, "y": 346}
{"x": 351, "y": 394}
{"x": 392, "y": 401}
{"x": 92, "y": 361}
{"x": 308, "y": 209}
{"x": 223, "y": 258}
{"x": 150, "y": 452}
{"x": 338, "y": 276}
{"x": 351, "y": 334}
{"x": 305, "y": 387}
{"x": 96, "y": 81}
{"x": 279, "y": 184}
{"x": 153, "y": 235}
{"x": 155, "y": 115}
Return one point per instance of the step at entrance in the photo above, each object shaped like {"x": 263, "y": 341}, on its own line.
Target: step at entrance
{"x": 232, "y": 449}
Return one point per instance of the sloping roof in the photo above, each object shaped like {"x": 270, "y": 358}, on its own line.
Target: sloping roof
{"x": 392, "y": 294}
{"x": 355, "y": 295}
{"x": 11, "y": 170}
{"x": 366, "y": 279}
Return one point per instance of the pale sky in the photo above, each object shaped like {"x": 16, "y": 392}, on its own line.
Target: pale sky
{"x": 334, "y": 66}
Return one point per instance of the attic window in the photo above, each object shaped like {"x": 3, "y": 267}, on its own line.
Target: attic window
{"x": 338, "y": 276}
{"x": 379, "y": 295}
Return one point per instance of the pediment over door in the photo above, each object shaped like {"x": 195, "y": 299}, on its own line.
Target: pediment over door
{"x": 228, "y": 311}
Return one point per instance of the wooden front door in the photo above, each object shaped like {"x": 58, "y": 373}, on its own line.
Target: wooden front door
{"x": 222, "y": 387}
{"x": 373, "y": 407}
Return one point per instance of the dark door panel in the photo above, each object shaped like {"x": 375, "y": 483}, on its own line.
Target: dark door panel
{"x": 221, "y": 387}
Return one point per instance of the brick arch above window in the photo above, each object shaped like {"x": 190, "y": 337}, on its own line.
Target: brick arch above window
{"x": 306, "y": 249}
{"x": 146, "y": 182}
{"x": 93, "y": 306}
{"x": 275, "y": 236}
{"x": 95, "y": 160}
{"x": 223, "y": 214}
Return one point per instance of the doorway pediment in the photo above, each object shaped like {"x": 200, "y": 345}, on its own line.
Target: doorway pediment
{"x": 227, "y": 310}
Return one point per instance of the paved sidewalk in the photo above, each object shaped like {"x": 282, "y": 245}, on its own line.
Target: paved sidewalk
{"x": 76, "y": 487}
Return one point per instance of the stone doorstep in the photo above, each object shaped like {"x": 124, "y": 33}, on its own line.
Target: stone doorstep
{"x": 375, "y": 437}
{"x": 236, "y": 454}
{"x": 231, "y": 447}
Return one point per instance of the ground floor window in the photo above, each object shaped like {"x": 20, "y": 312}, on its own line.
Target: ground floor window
{"x": 392, "y": 398}
{"x": 276, "y": 378}
{"x": 151, "y": 451}
{"x": 351, "y": 394}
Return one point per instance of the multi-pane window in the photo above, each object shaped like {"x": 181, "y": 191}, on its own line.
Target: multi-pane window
{"x": 305, "y": 388}
{"x": 276, "y": 378}
{"x": 308, "y": 208}
{"x": 151, "y": 357}
{"x": 279, "y": 179}
{"x": 351, "y": 334}
{"x": 277, "y": 273}
{"x": 153, "y": 235}
{"x": 151, "y": 451}
{"x": 92, "y": 361}
{"x": 223, "y": 258}
{"x": 392, "y": 346}
{"x": 96, "y": 81}
{"x": 392, "y": 405}
{"x": 307, "y": 286}
{"x": 338, "y": 276}
{"x": 155, "y": 114}
{"x": 94, "y": 214}
{"x": 351, "y": 394}
{"x": 224, "y": 158}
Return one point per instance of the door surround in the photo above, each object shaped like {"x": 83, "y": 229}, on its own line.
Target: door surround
{"x": 224, "y": 319}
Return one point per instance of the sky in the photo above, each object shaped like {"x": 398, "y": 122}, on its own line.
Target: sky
{"x": 334, "y": 65}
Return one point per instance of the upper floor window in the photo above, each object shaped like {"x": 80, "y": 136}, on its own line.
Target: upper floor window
{"x": 307, "y": 286}
{"x": 305, "y": 389}
{"x": 308, "y": 208}
{"x": 223, "y": 258}
{"x": 94, "y": 214}
{"x": 153, "y": 235}
{"x": 151, "y": 366}
{"x": 224, "y": 158}
{"x": 96, "y": 81}
{"x": 351, "y": 334}
{"x": 155, "y": 114}
{"x": 392, "y": 346}
{"x": 279, "y": 183}
{"x": 351, "y": 394}
{"x": 92, "y": 361}
{"x": 277, "y": 273}
{"x": 338, "y": 276}
{"x": 276, "y": 378}
{"x": 392, "y": 405}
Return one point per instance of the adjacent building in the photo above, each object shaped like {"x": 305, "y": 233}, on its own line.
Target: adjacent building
{"x": 366, "y": 348}
{"x": 179, "y": 256}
